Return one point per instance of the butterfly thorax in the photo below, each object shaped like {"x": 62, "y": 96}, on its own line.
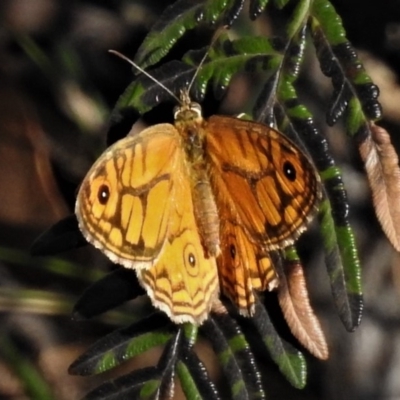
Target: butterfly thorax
{"x": 189, "y": 123}
{"x": 191, "y": 127}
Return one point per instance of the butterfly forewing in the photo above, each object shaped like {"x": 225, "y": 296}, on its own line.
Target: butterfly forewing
{"x": 118, "y": 205}
{"x": 272, "y": 185}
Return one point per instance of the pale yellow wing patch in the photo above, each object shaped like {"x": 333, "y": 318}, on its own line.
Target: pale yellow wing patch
{"x": 183, "y": 283}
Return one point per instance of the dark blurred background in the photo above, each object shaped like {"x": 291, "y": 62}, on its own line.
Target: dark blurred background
{"x": 58, "y": 85}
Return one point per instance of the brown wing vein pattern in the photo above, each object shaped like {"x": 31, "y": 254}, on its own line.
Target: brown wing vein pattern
{"x": 258, "y": 179}
{"x": 265, "y": 175}
{"x": 131, "y": 226}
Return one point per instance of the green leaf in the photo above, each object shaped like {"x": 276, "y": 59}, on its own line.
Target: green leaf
{"x": 223, "y": 61}
{"x": 290, "y": 361}
{"x": 235, "y": 357}
{"x": 194, "y": 378}
{"x": 298, "y": 18}
{"x": 189, "y": 386}
{"x": 353, "y": 88}
{"x": 340, "y": 250}
{"x": 280, "y": 3}
{"x": 150, "y": 389}
{"x": 121, "y": 345}
{"x": 142, "y": 383}
{"x": 177, "y": 19}
{"x": 343, "y": 266}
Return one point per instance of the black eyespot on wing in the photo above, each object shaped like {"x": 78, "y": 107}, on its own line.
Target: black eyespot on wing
{"x": 103, "y": 194}
{"x": 232, "y": 250}
{"x": 289, "y": 171}
{"x": 192, "y": 260}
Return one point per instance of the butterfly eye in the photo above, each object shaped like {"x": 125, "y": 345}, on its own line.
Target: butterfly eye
{"x": 103, "y": 194}
{"x": 196, "y": 108}
{"x": 176, "y": 111}
{"x": 289, "y": 170}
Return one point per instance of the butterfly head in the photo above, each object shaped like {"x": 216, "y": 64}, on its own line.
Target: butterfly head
{"x": 187, "y": 112}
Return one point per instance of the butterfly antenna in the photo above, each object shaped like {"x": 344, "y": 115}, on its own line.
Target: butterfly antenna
{"x": 216, "y": 35}
{"x": 117, "y": 53}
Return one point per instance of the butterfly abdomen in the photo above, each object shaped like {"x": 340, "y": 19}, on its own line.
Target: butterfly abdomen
{"x": 204, "y": 205}
{"x": 191, "y": 128}
{"x": 206, "y": 215}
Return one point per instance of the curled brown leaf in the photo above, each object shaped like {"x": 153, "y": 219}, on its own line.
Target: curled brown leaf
{"x": 294, "y": 301}
{"x": 382, "y": 166}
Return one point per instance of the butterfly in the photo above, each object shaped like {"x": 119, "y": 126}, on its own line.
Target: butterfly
{"x": 195, "y": 208}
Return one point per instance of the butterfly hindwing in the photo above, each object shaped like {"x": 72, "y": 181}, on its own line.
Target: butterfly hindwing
{"x": 243, "y": 268}
{"x": 183, "y": 282}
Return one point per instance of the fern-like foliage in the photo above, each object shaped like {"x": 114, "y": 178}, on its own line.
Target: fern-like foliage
{"x": 279, "y": 60}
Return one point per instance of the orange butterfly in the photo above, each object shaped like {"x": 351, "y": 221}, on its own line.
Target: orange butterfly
{"x": 197, "y": 206}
